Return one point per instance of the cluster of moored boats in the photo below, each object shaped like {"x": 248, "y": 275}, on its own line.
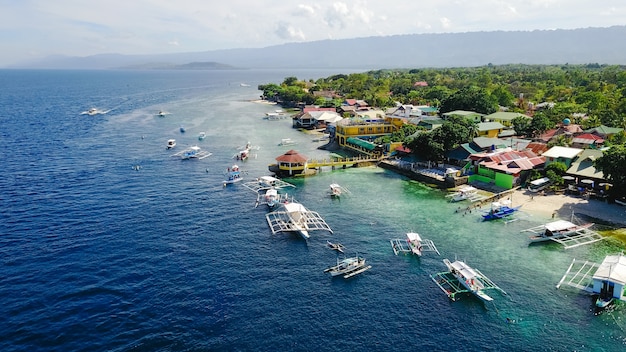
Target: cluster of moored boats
{"x": 608, "y": 281}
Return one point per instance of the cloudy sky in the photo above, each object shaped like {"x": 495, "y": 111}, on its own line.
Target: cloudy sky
{"x": 36, "y": 28}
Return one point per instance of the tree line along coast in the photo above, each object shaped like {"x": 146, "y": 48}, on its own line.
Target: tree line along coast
{"x": 435, "y": 113}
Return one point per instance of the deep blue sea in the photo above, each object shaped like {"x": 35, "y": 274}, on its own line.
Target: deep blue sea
{"x": 96, "y": 255}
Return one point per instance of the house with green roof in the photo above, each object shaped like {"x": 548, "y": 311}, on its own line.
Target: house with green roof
{"x": 582, "y": 167}
{"x": 489, "y": 129}
{"x": 430, "y": 124}
{"x": 604, "y": 131}
{"x": 504, "y": 117}
{"x": 470, "y": 115}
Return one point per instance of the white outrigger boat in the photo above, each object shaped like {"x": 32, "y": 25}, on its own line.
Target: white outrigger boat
{"x": 265, "y": 182}
{"x": 193, "y": 152}
{"x": 461, "y": 278}
{"x": 294, "y": 217}
{"x": 414, "y": 244}
{"x": 607, "y": 280}
{"x": 286, "y": 142}
{"x": 336, "y": 190}
{"x": 465, "y": 193}
{"x": 94, "y": 111}
{"x": 564, "y": 232}
{"x": 348, "y": 267}
{"x": 233, "y": 175}
{"x": 244, "y": 152}
{"x": 271, "y": 198}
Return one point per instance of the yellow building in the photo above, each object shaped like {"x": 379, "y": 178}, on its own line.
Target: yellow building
{"x": 354, "y": 133}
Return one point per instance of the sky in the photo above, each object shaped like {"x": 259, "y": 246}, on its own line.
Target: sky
{"x": 32, "y": 29}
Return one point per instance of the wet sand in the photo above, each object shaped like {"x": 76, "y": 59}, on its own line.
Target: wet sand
{"x": 561, "y": 206}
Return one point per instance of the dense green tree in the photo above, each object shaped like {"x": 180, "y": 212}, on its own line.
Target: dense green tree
{"x": 521, "y": 125}
{"x": 540, "y": 123}
{"x": 503, "y": 96}
{"x": 471, "y": 98}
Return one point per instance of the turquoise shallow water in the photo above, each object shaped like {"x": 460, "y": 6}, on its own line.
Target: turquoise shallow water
{"x": 98, "y": 256}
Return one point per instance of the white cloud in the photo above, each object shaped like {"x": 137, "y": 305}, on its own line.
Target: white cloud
{"x": 288, "y": 32}
{"x": 139, "y": 26}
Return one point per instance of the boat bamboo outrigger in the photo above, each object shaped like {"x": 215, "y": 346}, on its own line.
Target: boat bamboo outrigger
{"x": 564, "y": 232}
{"x": 413, "y": 243}
{"x": 336, "y": 190}
{"x": 193, "y": 152}
{"x": 461, "y": 278}
{"x": 465, "y": 193}
{"x": 348, "y": 267}
{"x": 500, "y": 210}
{"x": 607, "y": 280}
{"x": 296, "y": 218}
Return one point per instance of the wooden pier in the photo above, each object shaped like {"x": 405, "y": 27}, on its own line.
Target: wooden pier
{"x": 342, "y": 162}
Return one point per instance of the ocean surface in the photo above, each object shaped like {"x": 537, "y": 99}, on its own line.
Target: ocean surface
{"x": 109, "y": 243}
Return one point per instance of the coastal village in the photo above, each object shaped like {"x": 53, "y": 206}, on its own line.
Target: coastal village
{"x": 490, "y": 169}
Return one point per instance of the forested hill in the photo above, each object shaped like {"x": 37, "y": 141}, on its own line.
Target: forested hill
{"x": 578, "y": 46}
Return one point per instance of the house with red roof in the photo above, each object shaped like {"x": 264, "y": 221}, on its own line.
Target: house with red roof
{"x": 505, "y": 168}
{"x": 587, "y": 141}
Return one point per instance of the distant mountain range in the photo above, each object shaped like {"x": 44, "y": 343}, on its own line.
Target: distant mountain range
{"x": 577, "y": 46}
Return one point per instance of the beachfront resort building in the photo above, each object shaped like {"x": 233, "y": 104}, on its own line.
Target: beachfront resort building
{"x": 505, "y": 168}
{"x": 358, "y": 134}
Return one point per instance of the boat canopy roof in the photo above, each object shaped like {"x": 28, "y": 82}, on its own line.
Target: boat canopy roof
{"x": 413, "y": 236}
{"x": 540, "y": 181}
{"x": 559, "y": 225}
{"x": 464, "y": 269}
{"x": 613, "y": 269}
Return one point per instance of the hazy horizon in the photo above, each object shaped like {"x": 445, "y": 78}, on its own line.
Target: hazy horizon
{"x": 37, "y": 29}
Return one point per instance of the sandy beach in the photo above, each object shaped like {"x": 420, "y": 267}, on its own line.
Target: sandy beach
{"x": 561, "y": 206}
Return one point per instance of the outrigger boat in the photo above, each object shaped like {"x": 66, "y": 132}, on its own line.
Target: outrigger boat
{"x": 244, "y": 152}
{"x": 336, "y": 190}
{"x": 500, "y": 210}
{"x": 461, "y": 278}
{"x": 266, "y": 188}
{"x": 286, "y": 142}
{"x": 348, "y": 267}
{"x": 233, "y": 175}
{"x": 335, "y": 246}
{"x": 465, "y": 193}
{"x": 294, "y": 217}
{"x": 271, "y": 197}
{"x": 564, "y": 232}
{"x": 607, "y": 280}
{"x": 265, "y": 182}
{"x": 413, "y": 244}
{"x": 193, "y": 152}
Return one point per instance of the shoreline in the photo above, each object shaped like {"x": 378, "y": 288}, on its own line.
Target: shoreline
{"x": 564, "y": 206}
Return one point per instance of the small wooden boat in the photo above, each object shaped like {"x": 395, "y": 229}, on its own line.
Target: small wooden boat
{"x": 335, "y": 246}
